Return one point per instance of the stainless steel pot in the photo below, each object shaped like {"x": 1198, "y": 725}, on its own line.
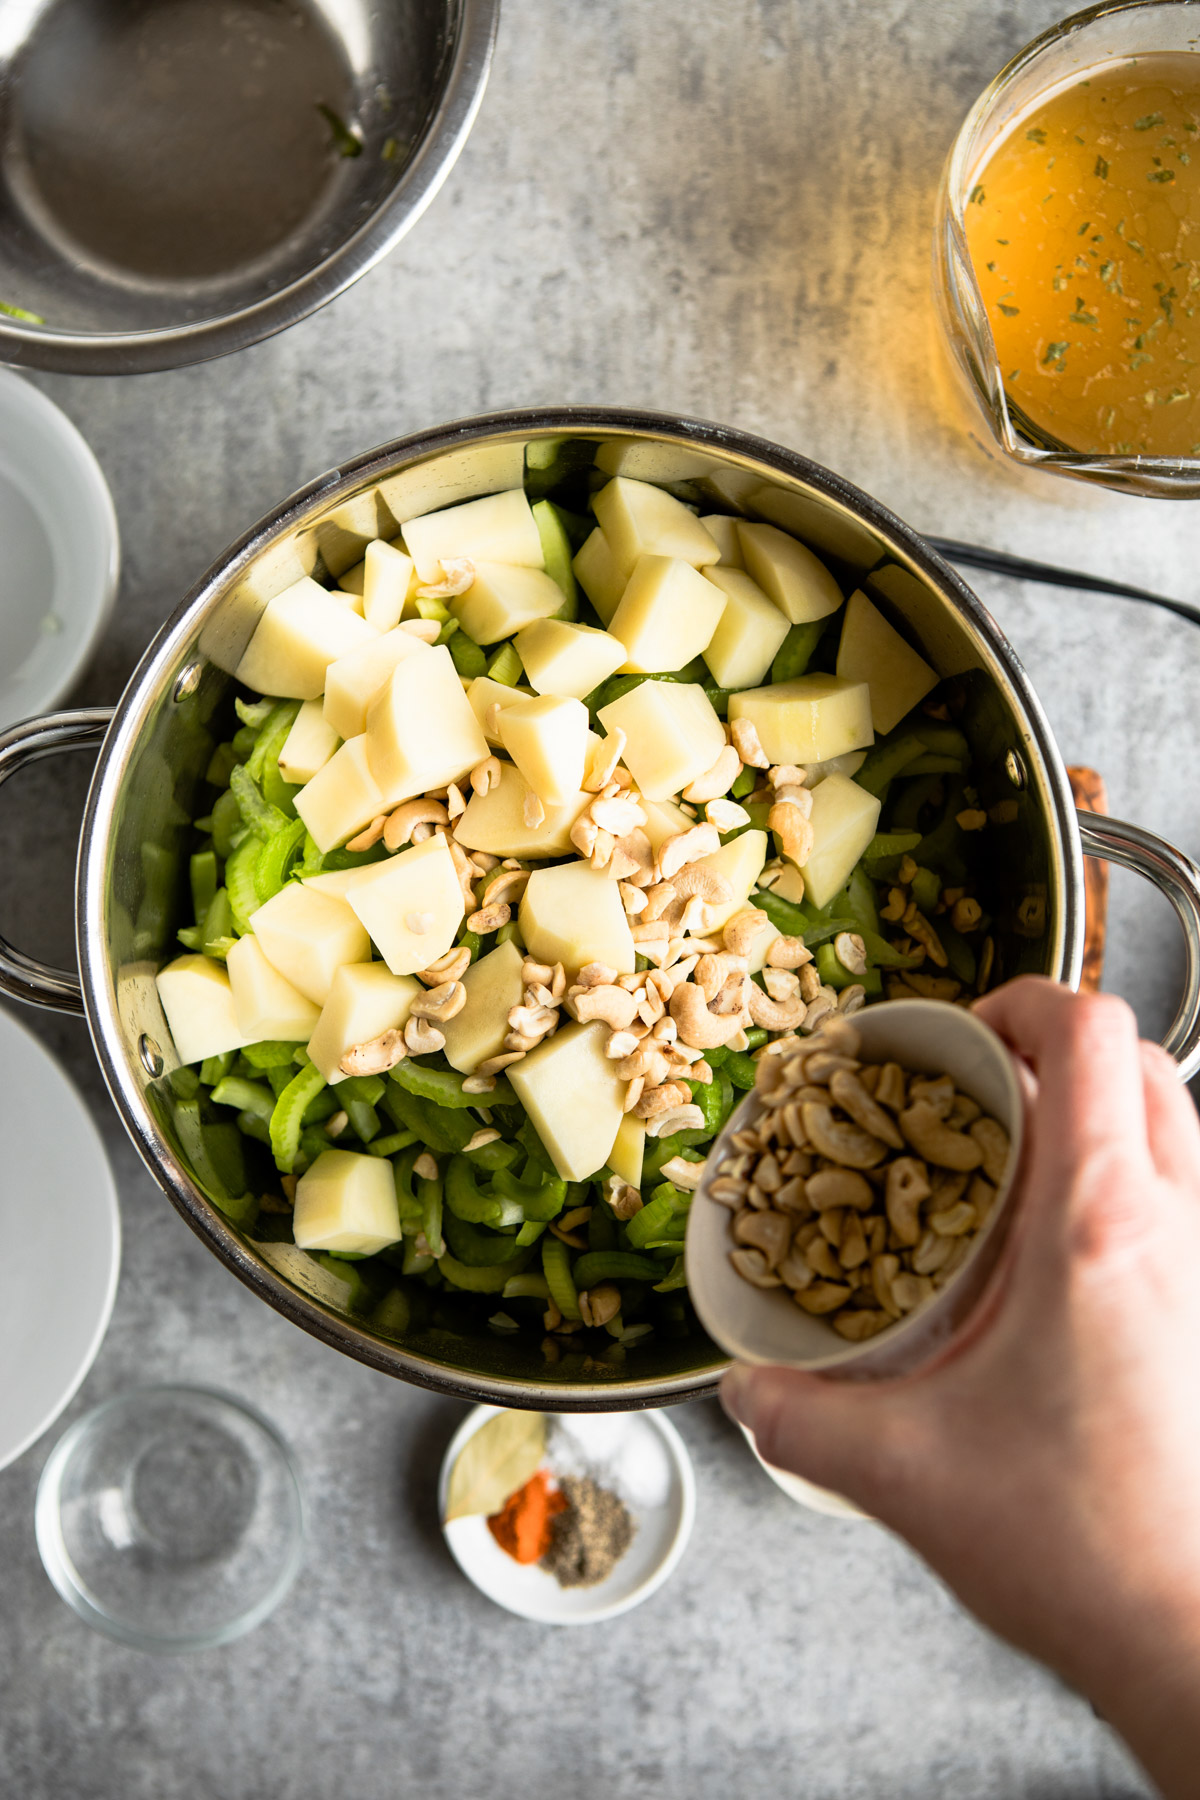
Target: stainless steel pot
{"x": 154, "y": 748}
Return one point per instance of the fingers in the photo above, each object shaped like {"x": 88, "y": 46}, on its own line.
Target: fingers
{"x": 1171, "y": 1123}
{"x": 831, "y": 1433}
{"x": 1084, "y": 1051}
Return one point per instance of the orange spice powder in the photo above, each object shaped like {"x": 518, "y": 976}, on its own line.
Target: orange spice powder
{"x": 524, "y": 1526}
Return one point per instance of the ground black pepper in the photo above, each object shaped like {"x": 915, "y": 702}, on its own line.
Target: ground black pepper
{"x": 591, "y": 1536}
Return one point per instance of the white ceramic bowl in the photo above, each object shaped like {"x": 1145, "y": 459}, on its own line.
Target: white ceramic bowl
{"x": 58, "y": 573}
{"x": 62, "y": 1240}
{"x": 662, "y": 1501}
{"x": 759, "y": 1325}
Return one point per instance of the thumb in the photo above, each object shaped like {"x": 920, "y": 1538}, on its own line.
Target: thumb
{"x": 838, "y": 1435}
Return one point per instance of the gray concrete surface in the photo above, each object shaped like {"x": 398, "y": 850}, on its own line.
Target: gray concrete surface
{"x": 722, "y": 209}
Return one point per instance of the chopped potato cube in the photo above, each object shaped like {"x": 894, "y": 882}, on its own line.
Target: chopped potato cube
{"x": 308, "y": 745}
{"x": 483, "y": 693}
{"x": 412, "y": 905}
{"x": 844, "y": 820}
{"x": 338, "y": 882}
{"x": 629, "y": 1149}
{"x": 663, "y": 820}
{"x": 341, "y": 798}
{"x": 871, "y": 650}
{"x": 421, "y": 732}
{"x": 809, "y": 719}
{"x": 387, "y": 583}
{"x": 500, "y": 528}
{"x": 570, "y": 1091}
{"x": 668, "y": 614}
{"x": 547, "y": 739}
{"x": 494, "y": 986}
{"x": 740, "y": 861}
{"x": 300, "y": 633}
{"x": 346, "y": 1202}
{"x": 573, "y": 915}
{"x": 307, "y": 936}
{"x": 722, "y": 528}
{"x": 639, "y": 519}
{"x": 760, "y": 948}
{"x": 568, "y": 659}
{"x": 353, "y": 581}
{"x": 495, "y": 821}
{"x": 267, "y": 1004}
{"x": 197, "y": 998}
{"x": 353, "y": 681}
{"x": 673, "y": 734}
{"x": 743, "y": 646}
{"x": 788, "y": 573}
{"x": 365, "y": 999}
{"x": 502, "y": 599}
{"x": 599, "y": 575}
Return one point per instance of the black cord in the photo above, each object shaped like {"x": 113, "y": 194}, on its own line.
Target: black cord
{"x": 999, "y": 562}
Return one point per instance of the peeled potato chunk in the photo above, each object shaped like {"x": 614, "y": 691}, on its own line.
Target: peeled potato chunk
{"x": 198, "y": 1000}
{"x": 629, "y": 1148}
{"x": 300, "y": 633}
{"x": 500, "y": 528}
{"x": 570, "y": 1091}
{"x": 639, "y": 519}
{"x": 788, "y": 573}
{"x": 740, "y": 861}
{"x": 547, "y": 738}
{"x": 568, "y": 659}
{"x": 352, "y": 682}
{"x": 365, "y": 999}
{"x": 502, "y": 599}
{"x": 844, "y": 819}
{"x": 573, "y": 915}
{"x": 495, "y": 821}
{"x": 341, "y": 798}
{"x": 723, "y": 530}
{"x": 412, "y": 905}
{"x": 421, "y": 732}
{"x": 600, "y": 575}
{"x": 267, "y": 1004}
{"x": 308, "y": 745}
{"x": 673, "y": 734}
{"x": 668, "y": 614}
{"x": 307, "y": 936}
{"x": 807, "y": 720}
{"x": 483, "y": 693}
{"x": 871, "y": 650}
{"x": 346, "y": 1202}
{"x": 387, "y": 583}
{"x": 494, "y": 986}
{"x": 751, "y": 629}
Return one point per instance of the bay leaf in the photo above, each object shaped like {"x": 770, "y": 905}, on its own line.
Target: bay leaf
{"x": 493, "y": 1464}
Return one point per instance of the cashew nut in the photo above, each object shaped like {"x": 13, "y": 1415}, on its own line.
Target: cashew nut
{"x": 782, "y": 775}
{"x": 823, "y": 1296}
{"x": 612, "y": 1004}
{"x": 839, "y": 1187}
{"x": 441, "y": 1003}
{"x": 769, "y": 1232}
{"x": 743, "y": 930}
{"x": 423, "y": 1038}
{"x": 698, "y": 1027}
{"x": 617, "y": 816}
{"x": 853, "y": 1098}
{"x": 508, "y": 885}
{"x": 907, "y": 1186}
{"x": 662, "y": 1099}
{"x": 717, "y": 780}
{"x": 532, "y": 1023}
{"x": 954, "y": 1221}
{"x": 775, "y": 1015}
{"x": 687, "y": 847}
{"x": 752, "y": 1266}
{"x": 726, "y": 815}
{"x": 936, "y": 1091}
{"x": 450, "y": 967}
{"x": 489, "y": 918}
{"x": 794, "y": 832}
{"x": 632, "y": 858}
{"x": 851, "y": 952}
{"x": 428, "y": 630}
{"x": 705, "y": 885}
{"x": 486, "y": 775}
{"x": 747, "y": 743}
{"x": 890, "y": 1088}
{"x": 458, "y": 573}
{"x": 788, "y": 953}
{"x": 377, "y": 1056}
{"x": 371, "y": 836}
{"x": 602, "y": 1304}
{"x": 993, "y": 1142}
{"x": 936, "y": 1141}
{"x": 684, "y": 1175}
{"x": 398, "y": 828}
{"x": 884, "y": 1270}
{"x": 602, "y": 760}
{"x": 843, "y": 1143}
{"x": 781, "y": 984}
{"x": 713, "y": 971}
{"x": 683, "y": 1118}
{"x": 857, "y": 1326}
{"x": 909, "y": 1291}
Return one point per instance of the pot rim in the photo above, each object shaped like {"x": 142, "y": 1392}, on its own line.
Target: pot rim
{"x": 162, "y": 661}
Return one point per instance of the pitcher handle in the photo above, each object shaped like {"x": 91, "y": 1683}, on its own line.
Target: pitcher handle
{"x": 1178, "y": 878}
{"x": 22, "y": 977}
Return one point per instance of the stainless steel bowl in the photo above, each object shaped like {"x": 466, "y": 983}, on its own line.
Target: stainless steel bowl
{"x": 132, "y": 858}
{"x": 178, "y": 179}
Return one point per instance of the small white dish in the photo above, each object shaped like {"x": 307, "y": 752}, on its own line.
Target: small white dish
{"x": 61, "y": 1233}
{"x": 661, "y": 1497}
{"x": 58, "y": 574}
{"x": 806, "y": 1493}
{"x": 759, "y": 1325}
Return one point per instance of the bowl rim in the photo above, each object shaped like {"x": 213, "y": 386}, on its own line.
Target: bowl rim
{"x": 462, "y": 80}
{"x": 172, "y": 653}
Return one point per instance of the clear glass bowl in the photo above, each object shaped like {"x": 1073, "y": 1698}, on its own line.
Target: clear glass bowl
{"x": 171, "y": 1518}
{"x": 1114, "y": 30}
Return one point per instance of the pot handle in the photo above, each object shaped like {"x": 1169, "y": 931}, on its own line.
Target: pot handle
{"x": 21, "y": 976}
{"x": 1178, "y": 878}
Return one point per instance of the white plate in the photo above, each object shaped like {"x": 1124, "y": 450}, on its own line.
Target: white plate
{"x": 663, "y": 1505}
{"x": 61, "y": 1233}
{"x": 58, "y": 573}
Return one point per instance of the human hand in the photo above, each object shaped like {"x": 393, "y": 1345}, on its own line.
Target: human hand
{"x": 1047, "y": 1465}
